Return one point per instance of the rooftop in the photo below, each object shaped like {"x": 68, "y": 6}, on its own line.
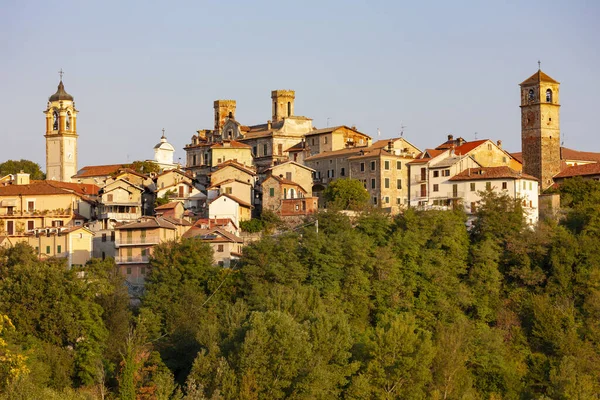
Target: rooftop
{"x": 487, "y": 173}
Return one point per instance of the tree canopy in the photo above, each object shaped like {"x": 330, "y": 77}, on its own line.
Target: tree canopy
{"x": 14, "y": 167}
{"x": 346, "y": 194}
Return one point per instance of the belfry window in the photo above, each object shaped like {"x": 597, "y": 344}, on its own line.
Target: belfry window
{"x": 548, "y": 96}
{"x": 68, "y": 121}
{"x": 531, "y": 95}
{"x": 55, "y": 122}
{"x": 289, "y": 109}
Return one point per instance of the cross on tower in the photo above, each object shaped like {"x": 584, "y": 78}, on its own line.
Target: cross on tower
{"x": 61, "y": 73}
{"x": 163, "y": 131}
{"x": 539, "y": 65}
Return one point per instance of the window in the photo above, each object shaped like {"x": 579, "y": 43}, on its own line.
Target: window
{"x": 68, "y": 121}
{"x": 398, "y": 164}
{"x": 103, "y": 255}
{"x": 373, "y": 165}
{"x": 57, "y": 223}
{"x": 265, "y": 149}
{"x": 143, "y": 270}
{"x": 489, "y": 146}
{"x": 194, "y": 159}
{"x": 325, "y": 139}
{"x": 504, "y": 185}
{"x": 220, "y": 248}
{"x": 386, "y": 164}
{"x": 228, "y": 190}
{"x": 271, "y": 192}
{"x": 47, "y": 249}
{"x": 472, "y": 186}
{"x": 398, "y": 200}
{"x": 289, "y": 108}
{"x": 254, "y": 151}
{"x": 530, "y": 186}
{"x": 374, "y": 200}
{"x": 387, "y": 183}
{"x": 288, "y": 176}
{"x": 104, "y": 237}
{"x": 436, "y": 174}
{"x": 285, "y": 193}
{"x": 55, "y": 121}
{"x": 387, "y": 200}
{"x": 144, "y": 252}
{"x": 423, "y": 190}
{"x": 524, "y": 185}
{"x": 548, "y": 96}
{"x": 488, "y": 185}
{"x": 362, "y": 167}
{"x": 280, "y": 149}
{"x": 128, "y": 270}
{"x": 30, "y": 205}
{"x": 399, "y": 184}
{"x": 109, "y": 197}
{"x": 313, "y": 141}
{"x": 342, "y": 172}
{"x": 30, "y": 225}
{"x": 473, "y": 206}
{"x": 112, "y": 236}
{"x": 436, "y": 187}
{"x": 59, "y": 249}
{"x": 372, "y": 183}
{"x": 446, "y": 172}
{"x": 531, "y": 95}
{"x": 219, "y": 161}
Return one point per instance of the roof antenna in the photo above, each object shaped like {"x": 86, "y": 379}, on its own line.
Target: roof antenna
{"x": 539, "y": 65}
{"x": 402, "y": 126}
{"x": 562, "y": 143}
{"x": 475, "y": 135}
{"x": 328, "y": 121}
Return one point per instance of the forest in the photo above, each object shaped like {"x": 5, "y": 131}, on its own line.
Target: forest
{"x": 414, "y": 306}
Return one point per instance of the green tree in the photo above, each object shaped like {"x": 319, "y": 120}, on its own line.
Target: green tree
{"x": 346, "y": 194}
{"x": 143, "y": 167}
{"x": 14, "y": 167}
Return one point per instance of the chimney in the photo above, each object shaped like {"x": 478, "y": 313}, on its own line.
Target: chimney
{"x": 269, "y": 124}
{"x": 499, "y": 143}
{"x": 450, "y": 137}
{"x": 461, "y": 141}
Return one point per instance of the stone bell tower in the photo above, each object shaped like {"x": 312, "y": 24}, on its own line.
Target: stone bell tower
{"x": 61, "y": 136}
{"x": 283, "y": 104}
{"x": 540, "y": 127}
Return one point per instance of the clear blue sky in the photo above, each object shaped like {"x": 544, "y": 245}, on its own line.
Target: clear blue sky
{"x": 438, "y": 67}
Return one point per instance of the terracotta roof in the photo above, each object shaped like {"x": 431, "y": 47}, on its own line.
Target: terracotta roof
{"x": 468, "y": 146}
{"x": 168, "y": 206}
{"x": 332, "y": 129}
{"x": 579, "y": 170}
{"x": 97, "y": 170}
{"x": 426, "y": 156}
{"x": 213, "y": 235}
{"x": 34, "y": 188}
{"x": 487, "y": 173}
{"x": 176, "y": 221}
{"x": 449, "y": 161}
{"x": 148, "y": 222}
{"x": 297, "y": 147}
{"x": 337, "y": 153}
{"x": 230, "y": 144}
{"x": 517, "y": 156}
{"x": 85, "y": 189}
{"x": 179, "y": 171}
{"x": 217, "y": 184}
{"x": 539, "y": 76}
{"x": 283, "y": 180}
{"x": 235, "y": 164}
{"x": 576, "y": 155}
{"x": 214, "y": 221}
{"x": 289, "y": 162}
{"x": 240, "y": 202}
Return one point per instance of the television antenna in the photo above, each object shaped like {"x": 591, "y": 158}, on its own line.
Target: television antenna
{"x": 402, "y": 126}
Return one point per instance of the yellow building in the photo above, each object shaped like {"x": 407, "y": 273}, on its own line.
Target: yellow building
{"x": 74, "y": 244}
{"x": 335, "y": 138}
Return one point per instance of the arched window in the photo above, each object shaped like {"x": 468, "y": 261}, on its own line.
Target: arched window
{"x": 68, "y": 122}
{"x": 55, "y": 121}
{"x": 291, "y": 193}
{"x": 230, "y": 114}
{"x": 548, "y": 96}
{"x": 289, "y": 109}
{"x": 531, "y": 95}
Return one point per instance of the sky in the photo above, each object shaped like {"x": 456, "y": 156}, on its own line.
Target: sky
{"x": 434, "y": 67}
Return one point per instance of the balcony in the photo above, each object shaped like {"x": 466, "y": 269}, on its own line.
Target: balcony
{"x": 456, "y": 195}
{"x": 419, "y": 178}
{"x": 132, "y": 259}
{"x": 419, "y": 195}
{"x": 120, "y": 216}
{"x": 137, "y": 241}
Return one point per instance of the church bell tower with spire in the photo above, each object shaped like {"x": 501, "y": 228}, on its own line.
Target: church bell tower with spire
{"x": 61, "y": 135}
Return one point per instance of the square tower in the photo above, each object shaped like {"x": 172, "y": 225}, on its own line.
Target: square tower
{"x": 540, "y": 127}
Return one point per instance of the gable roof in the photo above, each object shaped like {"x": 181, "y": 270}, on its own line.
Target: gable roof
{"x": 487, "y": 173}
{"x": 212, "y": 235}
{"x": 34, "y": 188}
{"x": 217, "y": 184}
{"x": 235, "y": 164}
{"x": 84, "y": 189}
{"x": 227, "y": 144}
{"x": 91, "y": 171}
{"x": 283, "y": 181}
{"x": 177, "y": 170}
{"x": 169, "y": 206}
{"x": 148, "y": 223}
{"x": 216, "y": 221}
{"x": 469, "y": 146}
{"x": 579, "y": 170}
{"x": 576, "y": 155}
{"x": 288, "y": 163}
{"x": 337, "y": 153}
{"x": 333, "y": 129}
{"x": 240, "y": 202}
{"x": 539, "y": 76}
{"x": 427, "y": 156}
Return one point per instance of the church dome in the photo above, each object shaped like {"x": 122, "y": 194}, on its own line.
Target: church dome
{"x": 61, "y": 94}
{"x": 164, "y": 145}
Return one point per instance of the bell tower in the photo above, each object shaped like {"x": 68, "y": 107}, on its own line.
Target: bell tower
{"x": 283, "y": 104}
{"x": 540, "y": 127}
{"x": 61, "y": 135}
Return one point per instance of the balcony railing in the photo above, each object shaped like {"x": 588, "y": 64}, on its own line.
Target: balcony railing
{"x": 456, "y": 195}
{"x": 120, "y": 216}
{"x": 137, "y": 241}
{"x": 131, "y": 259}
{"x": 419, "y": 195}
{"x": 419, "y": 178}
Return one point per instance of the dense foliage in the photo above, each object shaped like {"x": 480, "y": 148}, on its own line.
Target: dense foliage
{"x": 346, "y": 194}
{"x": 143, "y": 167}
{"x": 411, "y": 307}
{"x": 14, "y": 167}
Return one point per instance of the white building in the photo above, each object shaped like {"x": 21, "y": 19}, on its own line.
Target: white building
{"x": 516, "y": 184}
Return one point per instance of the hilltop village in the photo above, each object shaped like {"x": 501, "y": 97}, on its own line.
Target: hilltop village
{"x": 235, "y": 172}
